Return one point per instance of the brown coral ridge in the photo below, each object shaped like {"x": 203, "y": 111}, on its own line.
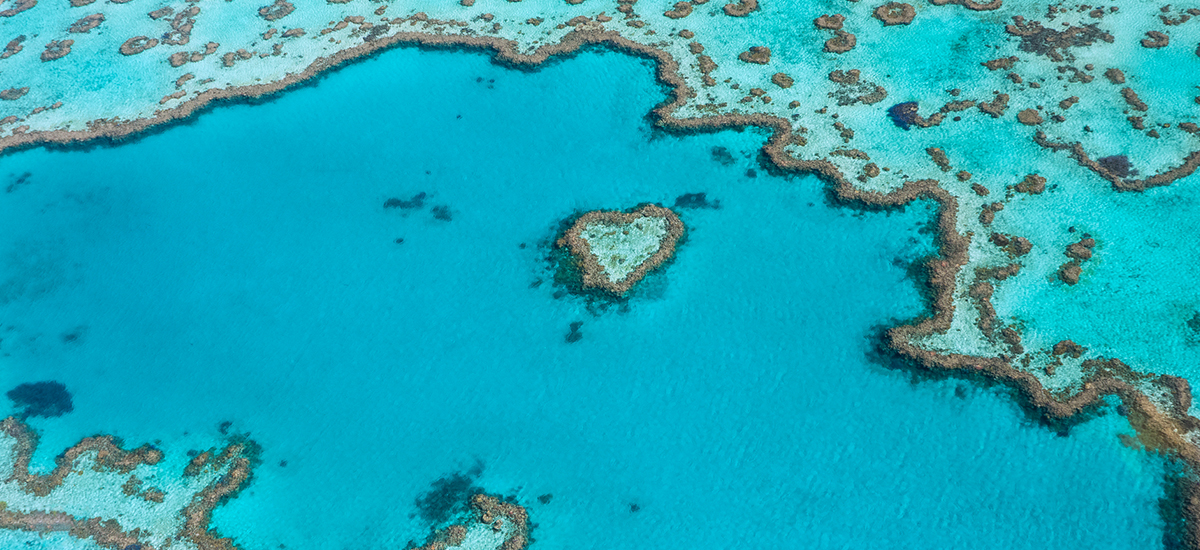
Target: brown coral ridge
{"x": 1078, "y": 252}
{"x": 18, "y": 7}
{"x": 981, "y": 292}
{"x": 137, "y": 44}
{"x": 278, "y": 10}
{"x": 1033, "y": 184}
{"x": 86, "y": 24}
{"x": 1014, "y": 245}
{"x": 841, "y": 42}
{"x": 488, "y": 510}
{"x": 760, "y": 55}
{"x": 1159, "y": 431}
{"x": 13, "y": 47}
{"x": 1119, "y": 182}
{"x": 181, "y": 27}
{"x": 111, "y": 457}
{"x": 1001, "y": 63}
{"x": 1133, "y": 100}
{"x": 742, "y": 8}
{"x": 592, "y": 274}
{"x": 996, "y": 107}
{"x": 1029, "y": 117}
{"x": 938, "y": 155}
{"x": 830, "y": 22}
{"x": 13, "y": 94}
{"x": 971, "y": 5}
{"x": 57, "y": 49}
{"x": 895, "y": 13}
{"x": 1055, "y": 44}
{"x": 679, "y": 11}
{"x": 1155, "y": 39}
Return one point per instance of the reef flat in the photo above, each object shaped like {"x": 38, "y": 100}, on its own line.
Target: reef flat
{"x": 118, "y": 498}
{"x": 614, "y": 250}
{"x": 986, "y": 108}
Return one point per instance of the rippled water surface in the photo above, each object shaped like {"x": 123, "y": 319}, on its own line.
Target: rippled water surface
{"x": 243, "y": 268}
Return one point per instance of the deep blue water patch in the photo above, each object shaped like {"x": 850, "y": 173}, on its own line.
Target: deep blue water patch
{"x": 44, "y": 399}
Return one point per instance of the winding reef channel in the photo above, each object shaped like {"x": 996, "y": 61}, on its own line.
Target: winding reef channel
{"x": 985, "y": 108}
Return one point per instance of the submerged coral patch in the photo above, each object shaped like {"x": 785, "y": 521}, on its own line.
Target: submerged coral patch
{"x": 696, "y": 200}
{"x": 45, "y": 399}
{"x": 448, "y": 495}
{"x": 417, "y": 201}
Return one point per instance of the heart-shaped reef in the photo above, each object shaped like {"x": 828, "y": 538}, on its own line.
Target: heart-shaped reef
{"x": 615, "y": 250}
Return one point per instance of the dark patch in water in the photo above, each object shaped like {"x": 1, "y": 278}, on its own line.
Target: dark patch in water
{"x": 536, "y": 283}
{"x": 575, "y": 335}
{"x": 1117, "y": 164}
{"x": 441, "y": 213}
{"x": 1172, "y": 507}
{"x": 546, "y": 498}
{"x": 723, "y": 156}
{"x": 751, "y": 173}
{"x": 960, "y": 391}
{"x": 904, "y": 114}
{"x": 1048, "y": 41}
{"x": 1194, "y": 322}
{"x": 399, "y": 240}
{"x": 74, "y": 336}
{"x": 283, "y": 464}
{"x": 633, "y": 508}
{"x": 18, "y": 182}
{"x": 417, "y": 201}
{"x": 224, "y": 427}
{"x": 46, "y": 399}
{"x": 448, "y": 495}
{"x": 696, "y": 200}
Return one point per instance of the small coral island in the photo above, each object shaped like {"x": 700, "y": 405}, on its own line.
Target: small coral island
{"x": 611, "y": 251}
{"x": 491, "y": 524}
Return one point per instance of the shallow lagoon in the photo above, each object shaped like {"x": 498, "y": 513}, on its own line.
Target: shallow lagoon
{"x": 242, "y": 268}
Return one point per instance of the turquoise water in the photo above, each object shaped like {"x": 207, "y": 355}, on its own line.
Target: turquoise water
{"x": 242, "y": 268}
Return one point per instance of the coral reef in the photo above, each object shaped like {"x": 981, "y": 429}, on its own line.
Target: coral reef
{"x": 615, "y": 250}
{"x": 1035, "y": 63}
{"x": 492, "y": 523}
{"x": 118, "y": 512}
